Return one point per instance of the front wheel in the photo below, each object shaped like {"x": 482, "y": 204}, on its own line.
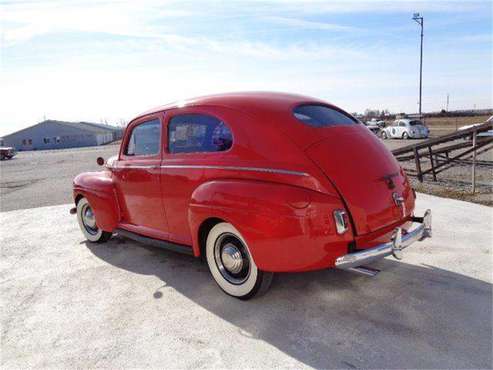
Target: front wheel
{"x": 87, "y": 223}
{"x": 232, "y": 265}
{"x": 384, "y": 135}
{"x": 405, "y": 136}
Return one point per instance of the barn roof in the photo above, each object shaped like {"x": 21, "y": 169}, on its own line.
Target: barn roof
{"x": 85, "y": 126}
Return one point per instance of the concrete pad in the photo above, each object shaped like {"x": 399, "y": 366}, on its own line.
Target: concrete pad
{"x": 69, "y": 303}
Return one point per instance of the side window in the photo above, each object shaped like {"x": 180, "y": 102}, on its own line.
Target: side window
{"x": 145, "y": 139}
{"x": 402, "y": 124}
{"x": 191, "y": 133}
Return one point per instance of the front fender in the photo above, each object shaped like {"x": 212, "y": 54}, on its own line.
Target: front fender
{"x": 287, "y": 228}
{"x": 99, "y": 190}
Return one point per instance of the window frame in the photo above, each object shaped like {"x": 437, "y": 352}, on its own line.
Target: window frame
{"x": 191, "y": 111}
{"x": 128, "y": 134}
{"x": 336, "y": 109}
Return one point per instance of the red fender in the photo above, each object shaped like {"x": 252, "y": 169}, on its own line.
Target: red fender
{"x": 99, "y": 190}
{"x": 287, "y": 228}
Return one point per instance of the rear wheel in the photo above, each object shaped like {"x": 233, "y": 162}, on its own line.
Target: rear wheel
{"x": 405, "y": 136}
{"x": 87, "y": 223}
{"x": 384, "y": 135}
{"x": 232, "y": 265}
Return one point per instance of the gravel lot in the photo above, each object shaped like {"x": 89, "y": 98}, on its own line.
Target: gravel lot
{"x": 43, "y": 178}
{"x": 67, "y": 303}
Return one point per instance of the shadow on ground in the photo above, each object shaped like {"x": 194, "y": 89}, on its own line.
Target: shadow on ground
{"x": 407, "y": 317}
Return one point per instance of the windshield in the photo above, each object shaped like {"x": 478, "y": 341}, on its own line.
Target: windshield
{"x": 416, "y": 123}
{"x": 321, "y": 116}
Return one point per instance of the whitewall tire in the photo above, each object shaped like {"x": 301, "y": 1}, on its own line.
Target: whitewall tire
{"x": 87, "y": 223}
{"x": 231, "y": 264}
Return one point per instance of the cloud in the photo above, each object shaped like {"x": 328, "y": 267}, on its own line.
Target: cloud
{"x": 306, "y": 24}
{"x": 26, "y": 20}
{"x": 478, "y": 38}
{"x": 378, "y": 6}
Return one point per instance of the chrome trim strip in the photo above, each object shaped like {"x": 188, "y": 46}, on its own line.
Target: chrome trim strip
{"x": 134, "y": 166}
{"x": 395, "y": 246}
{"x": 239, "y": 168}
{"x": 227, "y": 168}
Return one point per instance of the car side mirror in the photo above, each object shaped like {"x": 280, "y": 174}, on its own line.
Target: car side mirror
{"x": 100, "y": 161}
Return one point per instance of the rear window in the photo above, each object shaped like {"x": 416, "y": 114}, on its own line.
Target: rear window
{"x": 416, "y": 123}
{"x": 321, "y": 116}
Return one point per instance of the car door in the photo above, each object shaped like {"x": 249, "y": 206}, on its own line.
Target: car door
{"x": 394, "y": 129}
{"x": 196, "y": 139}
{"x": 402, "y": 128}
{"x": 137, "y": 176}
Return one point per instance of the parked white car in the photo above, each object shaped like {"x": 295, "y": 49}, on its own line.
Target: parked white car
{"x": 406, "y": 129}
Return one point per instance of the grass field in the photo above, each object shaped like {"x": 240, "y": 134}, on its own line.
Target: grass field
{"x": 445, "y": 125}
{"x": 453, "y": 122}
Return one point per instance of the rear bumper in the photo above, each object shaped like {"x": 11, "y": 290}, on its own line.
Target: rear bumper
{"x": 400, "y": 239}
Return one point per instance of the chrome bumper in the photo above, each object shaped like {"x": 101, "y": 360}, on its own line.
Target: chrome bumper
{"x": 400, "y": 239}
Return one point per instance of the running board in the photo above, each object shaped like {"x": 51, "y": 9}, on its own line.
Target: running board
{"x": 155, "y": 242}
{"x": 364, "y": 270}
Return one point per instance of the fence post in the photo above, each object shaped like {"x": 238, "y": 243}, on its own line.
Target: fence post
{"x": 474, "y": 162}
{"x": 430, "y": 152}
{"x": 418, "y": 164}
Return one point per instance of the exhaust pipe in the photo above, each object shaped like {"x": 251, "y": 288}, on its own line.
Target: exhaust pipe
{"x": 364, "y": 270}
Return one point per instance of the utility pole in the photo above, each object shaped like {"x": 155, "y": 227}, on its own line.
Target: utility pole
{"x": 448, "y": 96}
{"x": 419, "y": 20}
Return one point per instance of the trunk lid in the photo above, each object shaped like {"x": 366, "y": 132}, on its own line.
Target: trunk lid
{"x": 366, "y": 174}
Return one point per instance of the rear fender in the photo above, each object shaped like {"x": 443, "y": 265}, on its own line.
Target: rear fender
{"x": 99, "y": 190}
{"x": 287, "y": 228}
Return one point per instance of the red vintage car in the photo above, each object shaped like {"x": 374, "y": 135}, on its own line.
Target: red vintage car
{"x": 255, "y": 183}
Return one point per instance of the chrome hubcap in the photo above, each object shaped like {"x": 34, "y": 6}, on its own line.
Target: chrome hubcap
{"x": 89, "y": 220}
{"x": 232, "y": 258}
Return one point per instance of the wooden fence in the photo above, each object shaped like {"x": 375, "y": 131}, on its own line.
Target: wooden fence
{"x": 433, "y": 156}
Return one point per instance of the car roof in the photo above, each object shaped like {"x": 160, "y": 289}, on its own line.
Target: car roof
{"x": 247, "y": 101}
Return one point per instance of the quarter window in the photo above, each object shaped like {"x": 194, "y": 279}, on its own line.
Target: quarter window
{"x": 145, "y": 139}
{"x": 191, "y": 133}
{"x": 322, "y": 116}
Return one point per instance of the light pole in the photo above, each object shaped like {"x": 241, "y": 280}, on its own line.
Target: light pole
{"x": 419, "y": 20}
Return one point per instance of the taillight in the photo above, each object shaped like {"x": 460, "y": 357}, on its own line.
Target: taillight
{"x": 341, "y": 220}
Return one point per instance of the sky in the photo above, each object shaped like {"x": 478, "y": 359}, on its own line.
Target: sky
{"x": 108, "y": 61}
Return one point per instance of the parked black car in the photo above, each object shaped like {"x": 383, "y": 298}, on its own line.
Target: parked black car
{"x": 7, "y": 153}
